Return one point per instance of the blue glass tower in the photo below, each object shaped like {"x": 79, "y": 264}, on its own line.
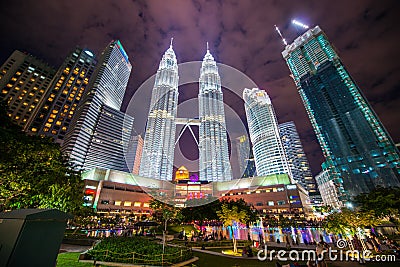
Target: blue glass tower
{"x": 359, "y": 153}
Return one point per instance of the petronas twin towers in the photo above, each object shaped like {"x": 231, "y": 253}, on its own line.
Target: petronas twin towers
{"x": 159, "y": 143}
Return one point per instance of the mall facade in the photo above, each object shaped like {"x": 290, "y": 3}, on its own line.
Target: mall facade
{"x": 115, "y": 192}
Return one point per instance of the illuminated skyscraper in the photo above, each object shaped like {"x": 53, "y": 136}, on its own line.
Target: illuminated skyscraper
{"x": 358, "y": 150}
{"x": 108, "y": 147}
{"x": 243, "y": 152}
{"x": 269, "y": 153}
{"x": 213, "y": 142}
{"x": 297, "y": 159}
{"x": 247, "y": 167}
{"x": 159, "y": 140}
{"x": 24, "y": 80}
{"x": 106, "y": 90}
{"x": 59, "y": 104}
{"x": 136, "y": 146}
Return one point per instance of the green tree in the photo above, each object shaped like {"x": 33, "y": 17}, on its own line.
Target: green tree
{"x": 382, "y": 202}
{"x": 34, "y": 173}
{"x": 235, "y": 211}
{"x": 164, "y": 212}
{"x": 201, "y": 210}
{"x": 349, "y": 222}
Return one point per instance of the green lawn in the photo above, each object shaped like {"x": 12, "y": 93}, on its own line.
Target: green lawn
{"x": 70, "y": 259}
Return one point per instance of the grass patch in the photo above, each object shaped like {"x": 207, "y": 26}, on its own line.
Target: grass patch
{"x": 70, "y": 259}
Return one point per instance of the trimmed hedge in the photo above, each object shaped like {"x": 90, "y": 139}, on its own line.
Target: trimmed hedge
{"x": 138, "y": 250}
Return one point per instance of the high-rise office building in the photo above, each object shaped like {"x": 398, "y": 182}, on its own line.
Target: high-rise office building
{"x": 297, "y": 159}
{"x": 269, "y": 154}
{"x": 136, "y": 146}
{"x": 243, "y": 152}
{"x": 24, "y": 80}
{"x": 359, "y": 152}
{"x": 247, "y": 167}
{"x": 108, "y": 147}
{"x": 159, "y": 140}
{"x": 213, "y": 141}
{"x": 106, "y": 88}
{"x": 58, "y": 106}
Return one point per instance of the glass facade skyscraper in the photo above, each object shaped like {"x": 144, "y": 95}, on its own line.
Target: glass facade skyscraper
{"x": 297, "y": 159}
{"x": 213, "y": 141}
{"x": 106, "y": 88}
{"x": 269, "y": 154}
{"x": 359, "y": 152}
{"x": 159, "y": 140}
{"x": 108, "y": 147}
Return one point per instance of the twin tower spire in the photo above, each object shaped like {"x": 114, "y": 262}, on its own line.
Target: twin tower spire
{"x": 159, "y": 143}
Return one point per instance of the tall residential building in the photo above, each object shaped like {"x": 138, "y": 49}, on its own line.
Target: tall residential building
{"x": 247, "y": 167}
{"x": 58, "y": 106}
{"x": 110, "y": 140}
{"x": 297, "y": 159}
{"x": 106, "y": 88}
{"x": 213, "y": 141}
{"x": 158, "y": 149}
{"x": 358, "y": 150}
{"x": 24, "y": 80}
{"x": 269, "y": 153}
{"x": 136, "y": 146}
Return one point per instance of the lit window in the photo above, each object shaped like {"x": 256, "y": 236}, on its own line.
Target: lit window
{"x": 146, "y": 205}
{"x": 34, "y": 130}
{"x": 9, "y": 85}
{"x": 54, "y": 132}
{"x": 127, "y": 203}
{"x": 48, "y": 124}
{"x": 117, "y": 203}
{"x": 58, "y": 123}
{"x": 4, "y": 92}
{"x": 137, "y": 204}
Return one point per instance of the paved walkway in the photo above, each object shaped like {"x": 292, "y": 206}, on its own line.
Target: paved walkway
{"x": 73, "y": 248}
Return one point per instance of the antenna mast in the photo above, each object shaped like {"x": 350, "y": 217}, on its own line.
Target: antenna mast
{"x": 280, "y": 34}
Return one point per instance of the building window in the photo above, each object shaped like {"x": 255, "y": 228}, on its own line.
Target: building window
{"x": 117, "y": 203}
{"x": 281, "y": 202}
{"x": 270, "y": 203}
{"x": 127, "y": 203}
{"x": 137, "y": 204}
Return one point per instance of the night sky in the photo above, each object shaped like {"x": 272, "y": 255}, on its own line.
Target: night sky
{"x": 240, "y": 33}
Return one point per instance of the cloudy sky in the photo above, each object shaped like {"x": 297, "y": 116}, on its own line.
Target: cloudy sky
{"x": 240, "y": 33}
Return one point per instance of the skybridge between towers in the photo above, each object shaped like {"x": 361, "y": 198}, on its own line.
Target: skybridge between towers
{"x": 187, "y": 123}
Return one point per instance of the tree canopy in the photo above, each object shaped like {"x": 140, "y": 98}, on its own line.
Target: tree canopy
{"x": 34, "y": 173}
{"x": 382, "y": 202}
